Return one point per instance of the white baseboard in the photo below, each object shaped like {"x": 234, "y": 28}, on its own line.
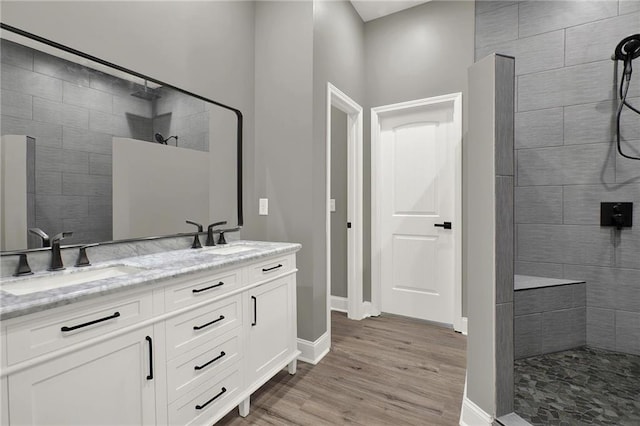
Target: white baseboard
{"x": 461, "y": 326}
{"x": 368, "y": 310}
{"x": 471, "y": 414}
{"x": 340, "y": 304}
{"x": 313, "y": 352}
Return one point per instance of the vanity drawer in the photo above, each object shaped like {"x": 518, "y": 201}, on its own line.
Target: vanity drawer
{"x": 205, "y": 405}
{"x": 201, "y": 364}
{"x": 194, "y": 289}
{"x": 194, "y": 328}
{"x": 64, "y": 326}
{"x": 271, "y": 268}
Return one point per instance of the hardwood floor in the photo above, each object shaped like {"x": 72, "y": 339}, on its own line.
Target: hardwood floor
{"x": 387, "y": 370}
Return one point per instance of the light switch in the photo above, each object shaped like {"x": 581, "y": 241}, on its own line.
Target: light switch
{"x": 264, "y": 207}
{"x": 332, "y": 204}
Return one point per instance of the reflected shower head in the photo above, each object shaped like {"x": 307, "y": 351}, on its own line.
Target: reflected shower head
{"x": 628, "y": 49}
{"x": 162, "y": 140}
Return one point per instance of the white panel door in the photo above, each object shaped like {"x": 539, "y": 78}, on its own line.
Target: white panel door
{"x": 417, "y": 176}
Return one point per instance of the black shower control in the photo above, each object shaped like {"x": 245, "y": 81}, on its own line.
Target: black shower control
{"x": 616, "y": 214}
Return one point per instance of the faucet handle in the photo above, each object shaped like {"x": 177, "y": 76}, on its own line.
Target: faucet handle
{"x": 196, "y": 238}
{"x": 83, "y": 260}
{"x": 43, "y": 235}
{"x": 23, "y": 266}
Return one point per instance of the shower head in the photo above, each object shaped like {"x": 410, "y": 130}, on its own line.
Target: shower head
{"x": 147, "y": 94}
{"x": 162, "y": 140}
{"x": 628, "y": 49}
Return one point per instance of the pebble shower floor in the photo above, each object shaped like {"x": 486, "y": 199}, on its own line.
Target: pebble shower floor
{"x": 583, "y": 386}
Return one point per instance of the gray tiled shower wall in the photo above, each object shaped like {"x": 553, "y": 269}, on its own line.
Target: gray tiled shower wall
{"x": 73, "y": 112}
{"x": 566, "y": 163}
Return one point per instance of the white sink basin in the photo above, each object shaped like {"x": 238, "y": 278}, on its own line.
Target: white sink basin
{"x": 66, "y": 278}
{"x": 227, "y": 250}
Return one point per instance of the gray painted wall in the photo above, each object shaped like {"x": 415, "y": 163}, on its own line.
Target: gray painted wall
{"x": 416, "y": 53}
{"x": 283, "y": 151}
{"x": 338, "y": 58}
{"x": 566, "y": 161}
{"x": 339, "y": 262}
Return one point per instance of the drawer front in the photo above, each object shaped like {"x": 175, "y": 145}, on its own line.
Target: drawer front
{"x": 202, "y": 364}
{"x": 207, "y": 404}
{"x": 194, "y": 328}
{"x": 201, "y": 287}
{"x": 73, "y": 324}
{"x": 270, "y": 268}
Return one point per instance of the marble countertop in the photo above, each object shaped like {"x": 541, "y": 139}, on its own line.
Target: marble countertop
{"x": 156, "y": 268}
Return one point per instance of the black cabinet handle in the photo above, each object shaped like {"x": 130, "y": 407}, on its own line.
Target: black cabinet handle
{"x": 200, "y": 327}
{"x": 208, "y": 288}
{"x": 272, "y": 268}
{"x": 150, "y": 376}
{"x": 200, "y": 367}
{"x": 200, "y": 407}
{"x": 75, "y": 327}
{"x": 446, "y": 225}
{"x": 255, "y": 311}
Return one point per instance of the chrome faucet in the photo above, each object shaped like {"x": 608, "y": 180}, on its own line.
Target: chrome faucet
{"x": 56, "y": 256}
{"x": 210, "y": 240}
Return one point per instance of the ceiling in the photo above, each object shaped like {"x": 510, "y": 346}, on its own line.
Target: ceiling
{"x": 374, "y": 9}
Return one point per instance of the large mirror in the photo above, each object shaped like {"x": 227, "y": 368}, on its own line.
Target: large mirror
{"x": 108, "y": 153}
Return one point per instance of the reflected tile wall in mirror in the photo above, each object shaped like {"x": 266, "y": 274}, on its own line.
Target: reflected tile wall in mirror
{"x": 72, "y": 112}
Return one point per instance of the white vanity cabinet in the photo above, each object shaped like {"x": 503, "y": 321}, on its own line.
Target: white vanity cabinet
{"x": 270, "y": 342}
{"x": 185, "y": 351}
{"x": 110, "y": 382}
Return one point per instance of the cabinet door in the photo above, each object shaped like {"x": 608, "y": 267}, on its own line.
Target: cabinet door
{"x": 111, "y": 383}
{"x": 271, "y": 328}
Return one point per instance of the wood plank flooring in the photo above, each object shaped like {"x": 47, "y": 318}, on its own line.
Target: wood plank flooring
{"x": 387, "y": 370}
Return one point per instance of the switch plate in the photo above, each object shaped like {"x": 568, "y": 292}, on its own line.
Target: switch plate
{"x": 264, "y": 207}
{"x": 332, "y": 205}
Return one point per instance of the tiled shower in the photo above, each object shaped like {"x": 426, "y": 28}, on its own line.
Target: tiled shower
{"x": 566, "y": 165}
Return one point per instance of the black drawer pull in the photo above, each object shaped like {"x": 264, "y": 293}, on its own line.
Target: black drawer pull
{"x": 150, "y": 376}
{"x": 446, "y": 225}
{"x": 75, "y": 327}
{"x": 272, "y": 268}
{"x": 200, "y": 367}
{"x": 200, "y": 407}
{"x": 208, "y": 288}
{"x": 200, "y": 327}
{"x": 255, "y": 311}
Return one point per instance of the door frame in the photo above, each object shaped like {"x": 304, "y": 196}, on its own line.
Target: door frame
{"x": 337, "y": 98}
{"x": 459, "y": 323}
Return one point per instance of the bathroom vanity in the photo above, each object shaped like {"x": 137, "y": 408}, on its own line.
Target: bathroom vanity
{"x": 179, "y": 337}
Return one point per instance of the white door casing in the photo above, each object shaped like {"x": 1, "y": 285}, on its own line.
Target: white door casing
{"x": 416, "y": 171}
{"x": 354, "y": 112}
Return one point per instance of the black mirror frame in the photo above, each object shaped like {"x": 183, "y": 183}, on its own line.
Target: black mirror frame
{"x": 239, "y": 117}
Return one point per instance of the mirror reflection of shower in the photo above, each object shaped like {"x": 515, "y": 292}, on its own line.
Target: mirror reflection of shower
{"x": 160, "y": 139}
{"x": 627, "y": 50}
